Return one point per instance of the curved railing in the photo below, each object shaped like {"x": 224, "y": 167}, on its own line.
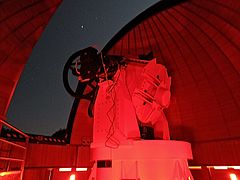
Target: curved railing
{"x": 9, "y": 156}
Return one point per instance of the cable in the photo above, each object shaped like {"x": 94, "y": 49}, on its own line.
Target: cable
{"x": 111, "y": 142}
{"x": 104, "y": 67}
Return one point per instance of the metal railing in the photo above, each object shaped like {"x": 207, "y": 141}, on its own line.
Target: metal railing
{"x": 9, "y": 159}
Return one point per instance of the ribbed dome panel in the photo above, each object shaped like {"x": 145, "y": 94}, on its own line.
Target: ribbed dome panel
{"x": 21, "y": 24}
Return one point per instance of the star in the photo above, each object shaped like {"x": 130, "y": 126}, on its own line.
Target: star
{"x": 82, "y": 26}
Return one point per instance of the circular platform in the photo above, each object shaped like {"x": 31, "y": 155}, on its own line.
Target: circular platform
{"x": 143, "y": 149}
{"x": 142, "y": 159}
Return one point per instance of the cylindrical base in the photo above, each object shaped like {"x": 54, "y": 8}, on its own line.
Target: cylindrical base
{"x": 144, "y": 159}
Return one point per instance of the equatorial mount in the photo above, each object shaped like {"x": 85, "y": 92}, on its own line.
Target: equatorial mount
{"x": 84, "y": 69}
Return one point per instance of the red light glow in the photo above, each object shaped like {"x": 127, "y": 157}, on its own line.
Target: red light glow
{"x": 3, "y": 174}
{"x": 220, "y": 167}
{"x": 72, "y": 177}
{"x": 65, "y": 169}
{"x": 233, "y": 176}
{"x": 81, "y": 169}
{"x": 195, "y": 167}
{"x": 8, "y": 173}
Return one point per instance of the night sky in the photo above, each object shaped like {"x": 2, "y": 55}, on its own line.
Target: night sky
{"x": 40, "y": 104}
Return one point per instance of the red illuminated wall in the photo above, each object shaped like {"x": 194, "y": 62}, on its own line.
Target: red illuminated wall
{"x": 43, "y": 157}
